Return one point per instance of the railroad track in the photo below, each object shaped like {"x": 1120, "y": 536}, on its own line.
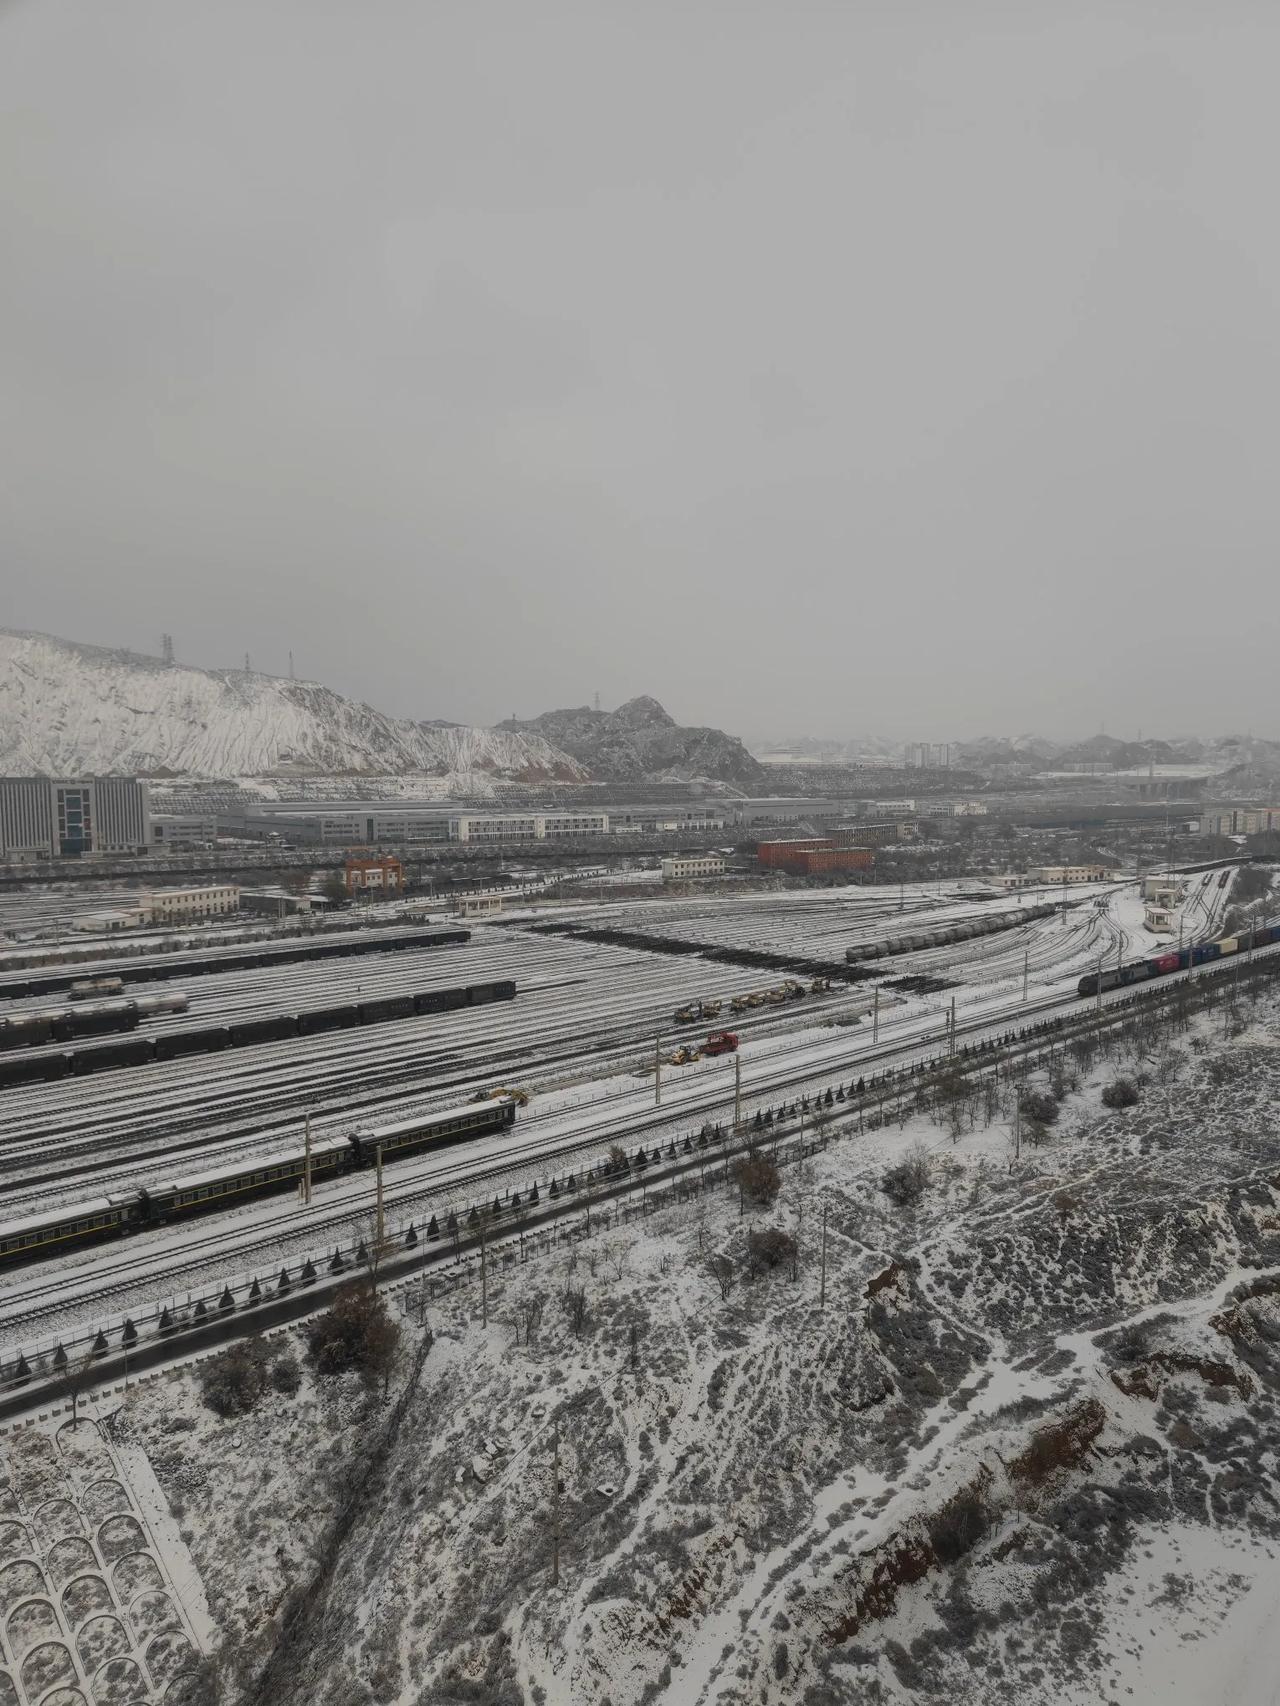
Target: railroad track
{"x": 437, "y": 1181}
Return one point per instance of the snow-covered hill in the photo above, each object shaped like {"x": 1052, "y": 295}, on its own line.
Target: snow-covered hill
{"x": 74, "y": 709}
{"x": 641, "y": 742}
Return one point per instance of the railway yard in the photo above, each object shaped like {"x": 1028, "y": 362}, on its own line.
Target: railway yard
{"x": 579, "y": 1039}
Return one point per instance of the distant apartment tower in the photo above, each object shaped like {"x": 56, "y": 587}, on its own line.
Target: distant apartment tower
{"x": 47, "y": 818}
{"x": 1242, "y": 820}
{"x": 929, "y": 755}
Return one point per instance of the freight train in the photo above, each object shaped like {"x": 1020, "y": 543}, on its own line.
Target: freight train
{"x": 149, "y": 968}
{"x": 46, "y": 1067}
{"x": 63, "y": 1024}
{"x": 943, "y": 933}
{"x": 1178, "y": 959}
{"x": 75, "y": 1224}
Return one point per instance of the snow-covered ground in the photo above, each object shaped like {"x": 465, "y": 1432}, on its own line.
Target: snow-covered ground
{"x": 1016, "y": 1439}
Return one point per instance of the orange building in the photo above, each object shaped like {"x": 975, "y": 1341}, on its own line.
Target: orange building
{"x": 816, "y": 856}
{"x": 380, "y": 875}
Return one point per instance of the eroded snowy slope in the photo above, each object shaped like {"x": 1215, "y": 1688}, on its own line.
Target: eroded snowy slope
{"x": 71, "y": 709}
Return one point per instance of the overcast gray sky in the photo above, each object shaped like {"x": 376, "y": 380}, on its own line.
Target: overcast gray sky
{"x": 895, "y": 367}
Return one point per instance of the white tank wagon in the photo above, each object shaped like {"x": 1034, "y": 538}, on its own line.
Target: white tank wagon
{"x": 34, "y": 1027}
{"x": 941, "y": 934}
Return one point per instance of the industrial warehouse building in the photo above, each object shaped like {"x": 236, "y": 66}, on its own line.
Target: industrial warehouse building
{"x": 681, "y": 867}
{"x": 395, "y": 823}
{"x": 1040, "y": 875}
{"x": 42, "y": 817}
{"x": 169, "y": 906}
{"x": 164, "y": 906}
{"x": 535, "y": 826}
{"x": 814, "y": 857}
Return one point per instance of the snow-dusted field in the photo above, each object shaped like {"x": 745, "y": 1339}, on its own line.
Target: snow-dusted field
{"x": 1024, "y": 1447}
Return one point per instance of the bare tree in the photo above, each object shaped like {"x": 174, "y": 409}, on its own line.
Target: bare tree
{"x": 531, "y": 1315}
{"x": 615, "y": 1253}
{"x": 723, "y": 1273}
{"x": 575, "y": 1302}
{"x": 74, "y": 1382}
{"x": 377, "y": 1249}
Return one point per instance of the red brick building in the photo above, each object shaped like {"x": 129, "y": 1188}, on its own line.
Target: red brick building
{"x": 816, "y": 856}
{"x": 377, "y": 875}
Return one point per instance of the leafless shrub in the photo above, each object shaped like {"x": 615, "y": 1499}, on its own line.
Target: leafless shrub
{"x": 1120, "y": 1093}
{"x": 768, "y": 1248}
{"x": 758, "y": 1179}
{"x": 1038, "y": 1106}
{"x": 905, "y": 1184}
{"x": 232, "y": 1382}
{"x": 355, "y": 1333}
{"x": 957, "y": 1527}
{"x": 1065, "y": 1204}
{"x": 286, "y": 1376}
{"x": 1059, "y": 1445}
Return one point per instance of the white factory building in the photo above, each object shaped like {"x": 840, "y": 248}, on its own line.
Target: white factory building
{"x": 43, "y": 817}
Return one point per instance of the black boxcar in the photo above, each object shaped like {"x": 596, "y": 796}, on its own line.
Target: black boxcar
{"x": 264, "y": 1030}
{"x": 389, "y": 1007}
{"x": 326, "y": 1019}
{"x": 171, "y": 1044}
{"x": 440, "y": 1000}
{"x": 23, "y": 1069}
{"x": 131, "y": 1052}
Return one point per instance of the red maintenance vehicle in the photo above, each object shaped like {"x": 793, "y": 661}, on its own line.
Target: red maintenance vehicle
{"x": 721, "y": 1042}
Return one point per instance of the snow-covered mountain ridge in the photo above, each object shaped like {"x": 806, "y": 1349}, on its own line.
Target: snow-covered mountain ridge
{"x": 69, "y": 709}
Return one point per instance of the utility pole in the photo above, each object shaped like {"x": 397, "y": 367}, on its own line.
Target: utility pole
{"x": 1017, "y": 1123}
{"x": 875, "y": 1018}
{"x": 555, "y": 1505}
{"x": 1026, "y": 970}
{"x": 951, "y": 1049}
{"x": 306, "y": 1162}
{"x": 737, "y": 1093}
{"x": 822, "y": 1293}
{"x": 380, "y": 1225}
{"x": 657, "y": 1072}
{"x": 1100, "y": 960}
{"x": 484, "y": 1273}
